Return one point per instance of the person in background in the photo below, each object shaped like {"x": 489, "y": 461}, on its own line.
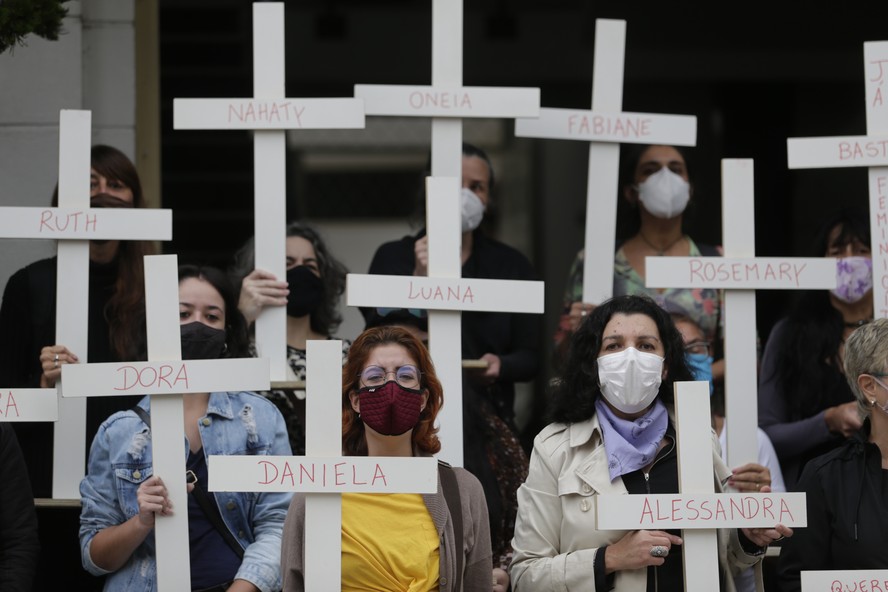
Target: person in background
{"x": 234, "y": 538}
{"x": 19, "y": 543}
{"x": 845, "y": 487}
{"x": 30, "y": 356}
{"x": 657, "y": 183}
{"x": 804, "y": 402}
{"x": 698, "y": 354}
{"x": 312, "y": 291}
{"x": 507, "y": 342}
{"x": 613, "y": 433}
{"x": 390, "y": 401}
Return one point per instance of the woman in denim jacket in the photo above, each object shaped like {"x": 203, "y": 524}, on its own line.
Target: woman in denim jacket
{"x": 121, "y": 495}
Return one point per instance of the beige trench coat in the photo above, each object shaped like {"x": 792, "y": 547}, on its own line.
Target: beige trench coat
{"x": 555, "y": 536}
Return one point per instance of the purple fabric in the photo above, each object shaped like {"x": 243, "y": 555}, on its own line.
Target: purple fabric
{"x": 631, "y": 444}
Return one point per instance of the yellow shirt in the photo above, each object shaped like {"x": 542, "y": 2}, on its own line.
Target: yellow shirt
{"x": 389, "y": 543}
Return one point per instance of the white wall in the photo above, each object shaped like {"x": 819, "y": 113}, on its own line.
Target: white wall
{"x": 91, "y": 66}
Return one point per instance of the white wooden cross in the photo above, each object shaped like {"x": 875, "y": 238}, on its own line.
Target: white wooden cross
{"x": 324, "y": 471}
{"x": 860, "y": 580}
{"x": 73, "y": 223}
{"x": 166, "y": 377}
{"x": 739, "y": 273}
{"x": 268, "y": 114}
{"x": 697, "y": 509}
{"x": 446, "y": 101}
{"x": 605, "y": 126}
{"x": 870, "y": 151}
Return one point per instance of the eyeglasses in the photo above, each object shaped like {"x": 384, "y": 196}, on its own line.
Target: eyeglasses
{"x": 698, "y": 347}
{"x": 407, "y": 376}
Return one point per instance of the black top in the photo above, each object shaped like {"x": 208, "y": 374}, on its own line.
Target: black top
{"x": 515, "y": 338}
{"x": 27, "y": 324}
{"x": 19, "y": 546}
{"x": 846, "y": 492}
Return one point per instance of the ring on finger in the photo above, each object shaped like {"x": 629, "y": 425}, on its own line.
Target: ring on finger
{"x": 659, "y": 551}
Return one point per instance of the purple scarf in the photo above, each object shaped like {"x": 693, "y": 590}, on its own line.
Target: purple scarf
{"x": 631, "y": 444}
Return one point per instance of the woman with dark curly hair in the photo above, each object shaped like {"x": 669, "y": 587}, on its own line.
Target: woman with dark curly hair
{"x": 805, "y": 404}
{"x": 390, "y": 401}
{"x": 315, "y": 282}
{"x": 614, "y": 434}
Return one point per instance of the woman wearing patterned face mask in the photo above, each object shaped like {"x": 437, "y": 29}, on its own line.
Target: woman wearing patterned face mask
{"x": 234, "y": 538}
{"x": 805, "y": 404}
{"x": 845, "y": 488}
{"x": 390, "y": 400}
{"x": 614, "y": 434}
{"x": 656, "y": 182}
{"x": 314, "y": 284}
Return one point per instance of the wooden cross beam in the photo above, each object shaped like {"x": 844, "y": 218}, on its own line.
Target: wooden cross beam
{"x": 268, "y": 114}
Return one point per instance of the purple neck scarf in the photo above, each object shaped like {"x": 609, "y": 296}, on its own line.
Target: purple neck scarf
{"x": 630, "y": 444}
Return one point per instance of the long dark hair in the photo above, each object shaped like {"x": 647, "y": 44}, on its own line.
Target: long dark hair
{"x": 425, "y": 434}
{"x": 237, "y": 341}
{"x": 325, "y": 319}
{"x": 808, "y": 352}
{"x": 125, "y": 309}
{"x": 574, "y": 395}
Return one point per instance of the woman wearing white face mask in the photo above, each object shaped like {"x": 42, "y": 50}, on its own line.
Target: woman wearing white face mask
{"x": 657, "y": 183}
{"x": 805, "y": 404}
{"x": 614, "y": 434}
{"x": 845, "y": 488}
{"x": 508, "y": 343}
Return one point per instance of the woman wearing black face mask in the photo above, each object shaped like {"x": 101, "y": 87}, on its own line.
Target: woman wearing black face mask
{"x": 234, "y": 538}
{"x": 314, "y": 284}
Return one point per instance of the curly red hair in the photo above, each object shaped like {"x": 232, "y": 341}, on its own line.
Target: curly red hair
{"x": 425, "y": 436}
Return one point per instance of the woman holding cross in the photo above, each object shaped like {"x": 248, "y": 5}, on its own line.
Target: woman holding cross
{"x": 314, "y": 285}
{"x": 234, "y": 538}
{"x": 390, "y": 401}
{"x": 845, "y": 488}
{"x": 614, "y": 434}
{"x": 656, "y": 182}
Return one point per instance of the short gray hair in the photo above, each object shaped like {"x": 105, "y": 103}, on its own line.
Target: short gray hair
{"x": 866, "y": 352}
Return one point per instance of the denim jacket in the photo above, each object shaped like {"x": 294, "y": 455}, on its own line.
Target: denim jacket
{"x": 120, "y": 460}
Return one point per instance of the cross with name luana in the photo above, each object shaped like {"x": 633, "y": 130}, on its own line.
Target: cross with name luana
{"x": 739, "y": 273}
{"x": 73, "y": 224}
{"x": 446, "y": 102}
{"x": 166, "y": 377}
{"x": 697, "y": 510}
{"x": 323, "y": 474}
{"x": 268, "y": 114}
{"x": 605, "y": 126}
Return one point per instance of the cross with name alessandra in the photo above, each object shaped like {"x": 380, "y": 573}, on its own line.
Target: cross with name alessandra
{"x": 697, "y": 510}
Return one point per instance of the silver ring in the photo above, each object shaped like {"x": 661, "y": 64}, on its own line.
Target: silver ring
{"x": 659, "y": 551}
